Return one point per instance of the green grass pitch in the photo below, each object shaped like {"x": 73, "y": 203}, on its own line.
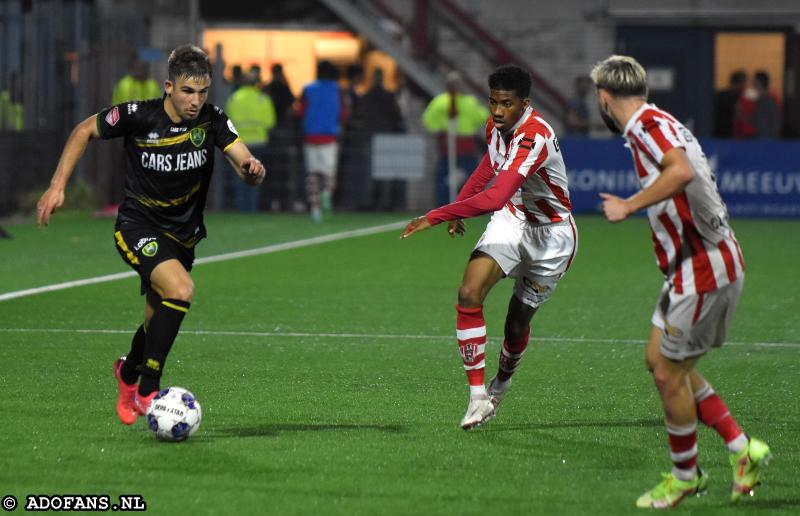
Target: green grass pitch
{"x": 331, "y": 383}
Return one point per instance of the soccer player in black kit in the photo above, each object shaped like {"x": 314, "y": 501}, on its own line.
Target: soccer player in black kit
{"x": 170, "y": 148}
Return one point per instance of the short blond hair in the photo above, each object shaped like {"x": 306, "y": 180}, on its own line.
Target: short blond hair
{"x": 622, "y": 76}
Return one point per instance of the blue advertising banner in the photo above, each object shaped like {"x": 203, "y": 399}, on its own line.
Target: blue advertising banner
{"x": 755, "y": 178}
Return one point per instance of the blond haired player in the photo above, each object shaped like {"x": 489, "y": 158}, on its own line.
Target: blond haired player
{"x": 703, "y": 269}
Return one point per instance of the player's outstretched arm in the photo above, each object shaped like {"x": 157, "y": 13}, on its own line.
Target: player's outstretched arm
{"x": 415, "y": 226}
{"x": 248, "y": 168}
{"x": 53, "y": 198}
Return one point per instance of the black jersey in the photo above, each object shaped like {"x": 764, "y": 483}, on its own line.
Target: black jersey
{"x": 170, "y": 164}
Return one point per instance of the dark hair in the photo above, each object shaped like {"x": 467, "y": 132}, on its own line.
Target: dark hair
{"x": 511, "y": 78}
{"x": 188, "y": 61}
{"x": 761, "y": 77}
{"x": 327, "y": 71}
{"x": 738, "y": 77}
{"x": 354, "y": 71}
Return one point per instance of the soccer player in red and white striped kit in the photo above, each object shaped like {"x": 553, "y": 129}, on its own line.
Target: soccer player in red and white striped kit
{"x": 703, "y": 269}
{"x": 531, "y": 236}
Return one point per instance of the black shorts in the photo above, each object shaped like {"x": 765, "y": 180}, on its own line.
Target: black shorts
{"x": 144, "y": 248}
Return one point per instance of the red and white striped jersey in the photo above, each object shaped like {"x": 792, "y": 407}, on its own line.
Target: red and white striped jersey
{"x": 695, "y": 247}
{"x": 533, "y": 152}
{"x": 531, "y": 179}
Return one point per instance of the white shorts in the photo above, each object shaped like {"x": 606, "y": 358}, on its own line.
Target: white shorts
{"x": 536, "y": 255}
{"x": 692, "y": 324}
{"x": 321, "y": 158}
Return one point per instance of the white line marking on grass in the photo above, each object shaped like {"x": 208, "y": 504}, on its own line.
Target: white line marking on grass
{"x": 211, "y": 259}
{"x": 581, "y": 340}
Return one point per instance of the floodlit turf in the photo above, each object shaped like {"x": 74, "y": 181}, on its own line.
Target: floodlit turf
{"x": 331, "y": 384}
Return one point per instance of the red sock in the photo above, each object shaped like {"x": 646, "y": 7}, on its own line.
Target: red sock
{"x": 683, "y": 450}
{"x": 471, "y": 333}
{"x": 511, "y": 356}
{"x": 713, "y": 412}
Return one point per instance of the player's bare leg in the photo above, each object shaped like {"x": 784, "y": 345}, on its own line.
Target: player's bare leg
{"x": 516, "y": 333}
{"x": 674, "y": 387}
{"x": 481, "y": 274}
{"x": 172, "y": 283}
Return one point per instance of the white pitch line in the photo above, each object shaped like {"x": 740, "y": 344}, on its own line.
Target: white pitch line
{"x": 211, "y": 259}
{"x": 373, "y": 336}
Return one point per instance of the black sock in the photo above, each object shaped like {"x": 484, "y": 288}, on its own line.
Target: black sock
{"x": 132, "y": 366}
{"x": 161, "y": 333}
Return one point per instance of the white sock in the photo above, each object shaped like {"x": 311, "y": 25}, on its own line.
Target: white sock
{"x": 738, "y": 444}
{"x": 477, "y": 391}
{"x": 684, "y": 474}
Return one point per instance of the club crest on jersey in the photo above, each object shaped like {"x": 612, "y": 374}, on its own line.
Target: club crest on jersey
{"x": 150, "y": 249}
{"x": 113, "y": 116}
{"x": 197, "y": 136}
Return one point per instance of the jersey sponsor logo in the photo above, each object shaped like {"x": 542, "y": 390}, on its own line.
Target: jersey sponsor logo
{"x": 142, "y": 242}
{"x": 232, "y": 128}
{"x": 150, "y": 249}
{"x": 132, "y": 107}
{"x": 197, "y": 136}
{"x": 113, "y": 116}
{"x": 174, "y": 162}
{"x": 177, "y": 129}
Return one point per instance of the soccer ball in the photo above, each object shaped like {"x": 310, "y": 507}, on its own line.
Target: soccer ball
{"x": 174, "y": 414}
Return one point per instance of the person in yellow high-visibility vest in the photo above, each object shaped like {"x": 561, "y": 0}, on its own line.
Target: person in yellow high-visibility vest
{"x": 135, "y": 85}
{"x": 12, "y": 116}
{"x": 253, "y": 114}
{"x": 466, "y": 116}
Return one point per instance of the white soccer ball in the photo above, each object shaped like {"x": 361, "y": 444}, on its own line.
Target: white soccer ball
{"x": 174, "y": 414}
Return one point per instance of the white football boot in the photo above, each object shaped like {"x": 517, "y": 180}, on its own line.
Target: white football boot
{"x": 479, "y": 411}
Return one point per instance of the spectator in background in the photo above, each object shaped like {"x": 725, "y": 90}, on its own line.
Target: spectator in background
{"x": 322, "y": 112}
{"x": 743, "y": 127}
{"x": 12, "y": 114}
{"x": 253, "y": 115}
{"x": 766, "y": 109}
{"x": 576, "y": 117}
{"x": 255, "y": 71}
{"x": 281, "y": 95}
{"x": 237, "y": 75}
{"x": 377, "y": 112}
{"x": 351, "y": 95}
{"x": 136, "y": 84}
{"x": 725, "y": 102}
{"x": 470, "y": 116}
